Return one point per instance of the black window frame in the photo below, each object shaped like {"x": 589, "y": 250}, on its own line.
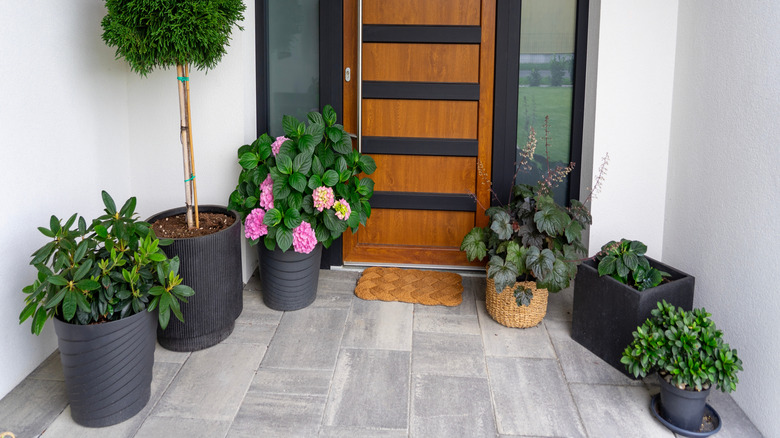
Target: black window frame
{"x": 505, "y": 105}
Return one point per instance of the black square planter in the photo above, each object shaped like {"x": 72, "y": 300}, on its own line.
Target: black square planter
{"x": 607, "y": 312}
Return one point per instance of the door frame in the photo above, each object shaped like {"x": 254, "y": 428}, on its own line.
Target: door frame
{"x": 504, "y": 119}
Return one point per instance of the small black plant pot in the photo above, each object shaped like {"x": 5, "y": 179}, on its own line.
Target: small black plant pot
{"x": 107, "y": 367}
{"x": 606, "y": 312}
{"x": 684, "y": 412}
{"x": 211, "y": 265}
{"x": 289, "y": 279}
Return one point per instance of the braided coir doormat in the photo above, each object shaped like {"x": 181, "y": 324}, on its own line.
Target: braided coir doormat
{"x": 410, "y": 286}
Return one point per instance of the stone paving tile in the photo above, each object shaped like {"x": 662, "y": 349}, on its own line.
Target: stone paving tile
{"x": 445, "y": 406}
{"x": 212, "y": 383}
{"x": 338, "y": 281}
{"x": 64, "y": 426}
{"x": 611, "y": 410}
{"x": 466, "y": 307}
{"x": 251, "y": 333}
{"x": 182, "y": 428}
{"x": 352, "y": 432}
{"x": 452, "y": 324}
{"x": 560, "y": 304}
{"x": 380, "y": 325}
{"x": 448, "y": 355}
{"x": 332, "y": 300}
{"x": 307, "y": 339}
{"x": 291, "y": 381}
{"x": 513, "y": 342}
{"x": 531, "y": 398}
{"x": 370, "y": 389}
{"x": 255, "y": 311}
{"x": 265, "y": 414}
{"x": 50, "y": 369}
{"x": 30, "y": 408}
{"x": 735, "y": 423}
{"x": 163, "y": 355}
{"x": 578, "y": 363}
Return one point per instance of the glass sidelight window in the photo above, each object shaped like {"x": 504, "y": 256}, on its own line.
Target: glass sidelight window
{"x": 293, "y": 60}
{"x": 539, "y": 75}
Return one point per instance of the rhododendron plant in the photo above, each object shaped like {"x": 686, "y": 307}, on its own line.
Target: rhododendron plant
{"x": 288, "y": 186}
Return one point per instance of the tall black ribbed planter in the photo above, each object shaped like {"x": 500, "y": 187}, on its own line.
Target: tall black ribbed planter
{"x": 211, "y": 265}
{"x": 108, "y": 367}
{"x": 606, "y": 312}
{"x": 289, "y": 279}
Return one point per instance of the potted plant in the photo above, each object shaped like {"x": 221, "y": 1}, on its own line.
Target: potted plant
{"x": 534, "y": 246}
{"x": 152, "y": 34}
{"x": 615, "y": 292}
{"x": 688, "y": 352}
{"x": 298, "y": 193}
{"x": 105, "y": 286}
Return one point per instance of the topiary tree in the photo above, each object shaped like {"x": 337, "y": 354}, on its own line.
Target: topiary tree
{"x": 163, "y": 33}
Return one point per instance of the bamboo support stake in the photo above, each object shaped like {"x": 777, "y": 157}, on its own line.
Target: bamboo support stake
{"x": 192, "y": 149}
{"x": 184, "y": 144}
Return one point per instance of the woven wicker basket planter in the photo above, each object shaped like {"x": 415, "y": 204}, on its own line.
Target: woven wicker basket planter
{"x": 504, "y": 309}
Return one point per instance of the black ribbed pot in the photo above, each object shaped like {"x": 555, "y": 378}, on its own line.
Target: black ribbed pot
{"x": 682, "y": 408}
{"x": 211, "y": 265}
{"x": 289, "y": 279}
{"x": 107, "y": 367}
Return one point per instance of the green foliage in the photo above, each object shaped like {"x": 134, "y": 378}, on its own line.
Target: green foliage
{"x": 110, "y": 270}
{"x": 532, "y": 238}
{"x": 685, "y": 345}
{"x": 625, "y": 260}
{"x": 163, "y": 33}
{"x": 535, "y": 79}
{"x": 317, "y": 154}
{"x": 557, "y": 69}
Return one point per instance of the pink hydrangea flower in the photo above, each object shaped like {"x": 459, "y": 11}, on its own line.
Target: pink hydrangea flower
{"x": 267, "y": 193}
{"x": 304, "y": 239}
{"x": 343, "y": 210}
{"x": 323, "y": 198}
{"x": 253, "y": 226}
{"x": 276, "y": 145}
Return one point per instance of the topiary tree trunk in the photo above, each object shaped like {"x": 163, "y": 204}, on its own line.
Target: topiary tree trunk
{"x": 167, "y": 33}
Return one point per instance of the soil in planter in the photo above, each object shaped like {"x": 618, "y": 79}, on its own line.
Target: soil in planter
{"x": 175, "y": 227}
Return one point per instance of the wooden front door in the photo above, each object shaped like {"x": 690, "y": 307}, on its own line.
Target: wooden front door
{"x": 425, "y": 110}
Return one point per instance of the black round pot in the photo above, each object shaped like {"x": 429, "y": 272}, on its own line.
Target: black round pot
{"x": 289, "y": 279}
{"x": 107, "y": 367}
{"x": 682, "y": 408}
{"x": 211, "y": 265}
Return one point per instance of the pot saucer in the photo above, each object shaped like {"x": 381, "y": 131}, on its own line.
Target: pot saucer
{"x": 709, "y": 411}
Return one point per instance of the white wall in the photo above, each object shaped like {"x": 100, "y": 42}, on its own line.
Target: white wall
{"x": 64, "y": 134}
{"x": 74, "y": 121}
{"x": 722, "y": 214}
{"x": 635, "y": 62}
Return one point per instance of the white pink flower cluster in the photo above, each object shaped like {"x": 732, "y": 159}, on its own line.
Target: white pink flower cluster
{"x": 277, "y": 144}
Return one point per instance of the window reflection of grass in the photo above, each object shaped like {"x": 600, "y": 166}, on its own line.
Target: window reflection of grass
{"x": 534, "y": 103}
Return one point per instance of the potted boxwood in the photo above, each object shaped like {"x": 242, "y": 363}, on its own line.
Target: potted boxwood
{"x": 151, "y": 34}
{"x": 105, "y": 285}
{"x": 298, "y": 193}
{"x": 534, "y": 246}
{"x": 688, "y": 352}
{"x": 615, "y": 291}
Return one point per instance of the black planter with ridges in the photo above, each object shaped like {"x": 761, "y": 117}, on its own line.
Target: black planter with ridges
{"x": 210, "y": 265}
{"x": 606, "y": 312}
{"x": 107, "y": 367}
{"x": 289, "y": 279}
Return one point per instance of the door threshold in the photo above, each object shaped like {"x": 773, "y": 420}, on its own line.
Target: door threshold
{"x": 469, "y": 271}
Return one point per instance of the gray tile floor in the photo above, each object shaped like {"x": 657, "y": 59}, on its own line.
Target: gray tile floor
{"x": 345, "y": 367}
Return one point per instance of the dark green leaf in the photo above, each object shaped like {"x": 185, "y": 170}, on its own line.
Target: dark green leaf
{"x": 284, "y": 164}
{"x": 504, "y": 274}
{"x": 57, "y": 280}
{"x": 501, "y": 225}
{"x": 290, "y": 126}
{"x": 83, "y": 270}
{"x": 69, "y": 304}
{"x": 330, "y": 178}
{"x": 249, "y": 160}
{"x": 607, "y": 265}
{"x": 315, "y": 118}
{"x": 298, "y": 182}
{"x": 316, "y": 166}
{"x": 292, "y": 219}
{"x": 474, "y": 244}
{"x": 54, "y": 224}
{"x": 284, "y": 238}
{"x": 344, "y": 145}
{"x": 272, "y": 217}
{"x": 128, "y": 208}
{"x": 329, "y": 115}
{"x": 314, "y": 182}
{"x": 367, "y": 164}
{"x": 108, "y": 201}
{"x": 302, "y": 163}
{"x": 307, "y": 143}
{"x": 46, "y": 232}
